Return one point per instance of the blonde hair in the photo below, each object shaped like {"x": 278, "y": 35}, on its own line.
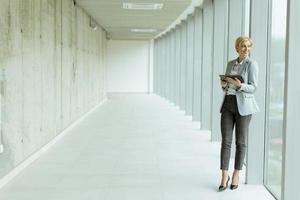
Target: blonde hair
{"x": 241, "y": 40}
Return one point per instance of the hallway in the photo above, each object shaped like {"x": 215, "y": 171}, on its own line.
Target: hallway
{"x": 134, "y": 147}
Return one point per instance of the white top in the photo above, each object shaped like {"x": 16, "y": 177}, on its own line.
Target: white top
{"x": 231, "y": 90}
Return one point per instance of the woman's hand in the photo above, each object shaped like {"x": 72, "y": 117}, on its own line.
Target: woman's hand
{"x": 223, "y": 84}
{"x": 235, "y": 82}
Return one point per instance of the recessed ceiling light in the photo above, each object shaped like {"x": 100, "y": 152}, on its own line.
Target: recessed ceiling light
{"x": 143, "y": 6}
{"x": 144, "y": 30}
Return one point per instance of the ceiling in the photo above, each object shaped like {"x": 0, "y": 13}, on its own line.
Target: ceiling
{"x": 118, "y": 22}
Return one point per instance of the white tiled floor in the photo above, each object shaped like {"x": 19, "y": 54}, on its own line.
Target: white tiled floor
{"x": 135, "y": 147}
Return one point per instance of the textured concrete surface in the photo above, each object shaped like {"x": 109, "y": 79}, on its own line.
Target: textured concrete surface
{"x": 52, "y": 63}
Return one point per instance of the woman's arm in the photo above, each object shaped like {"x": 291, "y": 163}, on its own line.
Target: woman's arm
{"x": 251, "y": 86}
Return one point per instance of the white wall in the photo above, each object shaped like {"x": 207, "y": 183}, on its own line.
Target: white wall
{"x": 151, "y": 57}
{"x": 127, "y": 66}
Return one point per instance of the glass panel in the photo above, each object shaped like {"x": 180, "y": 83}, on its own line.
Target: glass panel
{"x": 276, "y": 97}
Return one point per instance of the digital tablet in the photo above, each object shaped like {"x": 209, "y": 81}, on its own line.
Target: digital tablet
{"x": 222, "y": 77}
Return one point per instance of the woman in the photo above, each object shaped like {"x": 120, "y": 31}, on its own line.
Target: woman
{"x": 237, "y": 108}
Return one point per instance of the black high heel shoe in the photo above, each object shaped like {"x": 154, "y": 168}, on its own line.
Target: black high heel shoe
{"x": 233, "y": 187}
{"x": 222, "y": 187}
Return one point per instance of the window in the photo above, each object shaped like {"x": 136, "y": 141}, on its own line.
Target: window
{"x": 275, "y": 97}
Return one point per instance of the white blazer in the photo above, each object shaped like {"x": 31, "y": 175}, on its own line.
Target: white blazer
{"x": 245, "y": 95}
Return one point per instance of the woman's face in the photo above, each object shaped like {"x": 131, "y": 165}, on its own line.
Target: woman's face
{"x": 244, "y": 49}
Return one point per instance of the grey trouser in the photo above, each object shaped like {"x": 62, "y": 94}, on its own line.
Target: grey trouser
{"x": 230, "y": 117}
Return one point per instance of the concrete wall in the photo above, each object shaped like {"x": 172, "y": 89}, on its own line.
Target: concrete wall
{"x": 53, "y": 65}
{"x": 128, "y": 66}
